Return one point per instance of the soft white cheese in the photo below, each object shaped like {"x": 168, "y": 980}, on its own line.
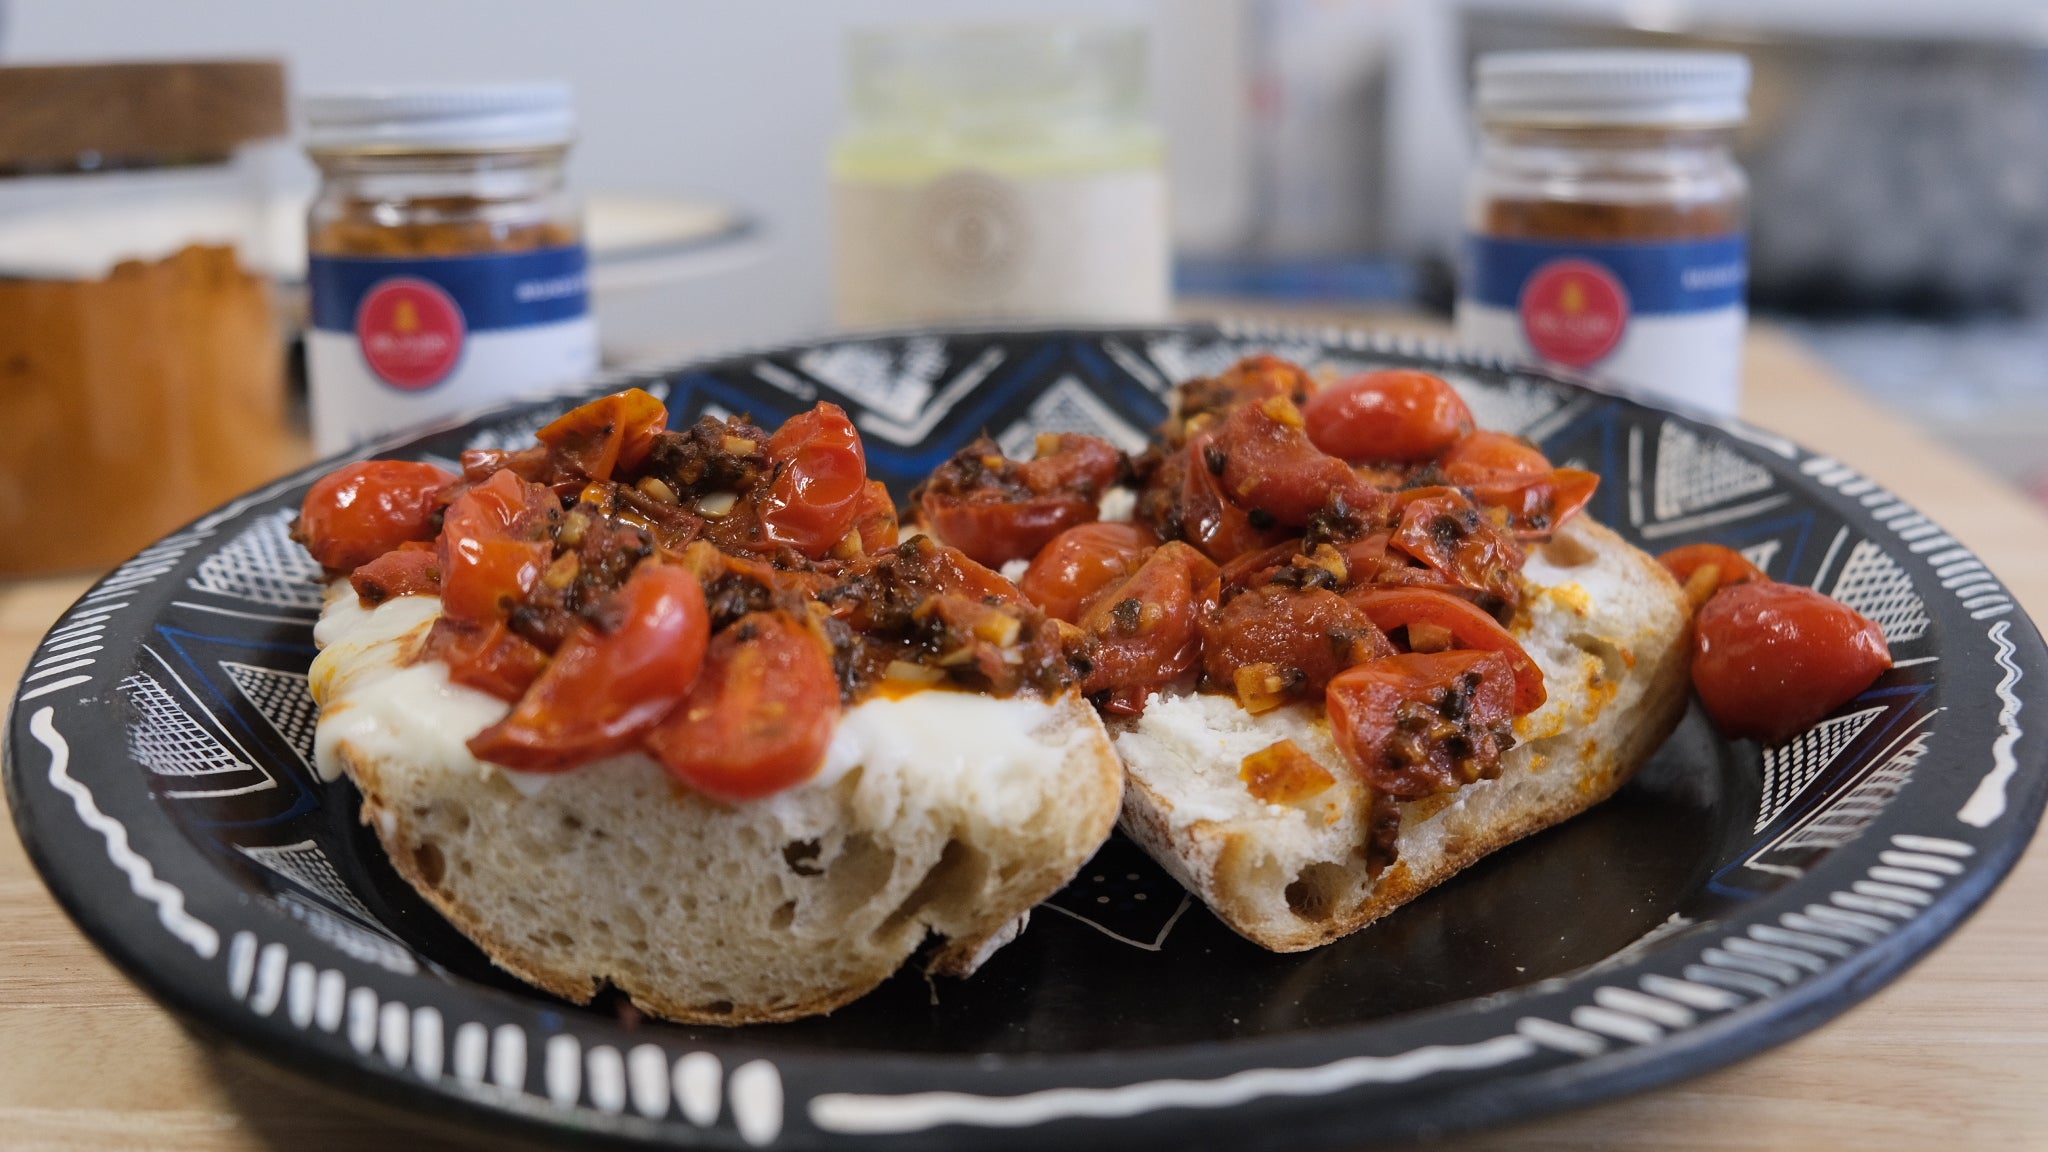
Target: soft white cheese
{"x": 375, "y": 698}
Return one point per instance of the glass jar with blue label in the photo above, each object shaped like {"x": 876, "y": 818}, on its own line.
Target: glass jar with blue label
{"x": 1605, "y": 221}
{"x": 447, "y": 269}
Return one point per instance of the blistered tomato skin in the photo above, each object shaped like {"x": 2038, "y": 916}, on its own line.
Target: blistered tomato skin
{"x": 821, "y": 486}
{"x": 1769, "y": 660}
{"x": 1081, "y": 562}
{"x": 760, "y": 716}
{"x": 355, "y": 514}
{"x": 1731, "y": 567}
{"x": 1397, "y": 415}
{"x": 603, "y": 691}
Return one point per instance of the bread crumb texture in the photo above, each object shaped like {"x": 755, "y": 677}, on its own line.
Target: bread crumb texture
{"x": 1607, "y": 625}
{"x": 702, "y": 911}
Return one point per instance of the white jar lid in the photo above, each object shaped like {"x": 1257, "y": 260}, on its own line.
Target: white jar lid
{"x": 1622, "y": 86}
{"x": 465, "y": 118}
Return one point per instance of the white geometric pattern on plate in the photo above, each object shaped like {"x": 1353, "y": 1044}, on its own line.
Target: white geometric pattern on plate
{"x": 282, "y": 698}
{"x": 1067, "y": 406}
{"x": 896, "y": 386}
{"x": 166, "y": 740}
{"x": 1873, "y": 583}
{"x": 264, "y": 566}
{"x": 306, "y": 865}
{"x": 1693, "y": 473}
{"x": 369, "y": 944}
{"x": 1790, "y": 767}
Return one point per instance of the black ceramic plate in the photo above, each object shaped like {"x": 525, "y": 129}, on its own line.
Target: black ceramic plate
{"x": 1730, "y": 897}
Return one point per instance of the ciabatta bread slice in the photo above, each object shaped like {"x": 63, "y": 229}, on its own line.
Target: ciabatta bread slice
{"x": 939, "y": 812}
{"x": 1608, "y": 626}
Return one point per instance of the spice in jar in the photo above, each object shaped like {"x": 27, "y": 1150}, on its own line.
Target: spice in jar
{"x": 1605, "y": 218}
{"x": 447, "y": 266}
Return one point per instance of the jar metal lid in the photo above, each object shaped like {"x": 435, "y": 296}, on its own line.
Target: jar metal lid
{"x": 466, "y": 118}
{"x": 1614, "y": 87}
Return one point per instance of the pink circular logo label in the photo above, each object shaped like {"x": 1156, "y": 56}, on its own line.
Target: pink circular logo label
{"x": 411, "y": 332}
{"x": 1574, "y": 312}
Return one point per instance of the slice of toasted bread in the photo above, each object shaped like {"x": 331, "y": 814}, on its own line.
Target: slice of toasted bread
{"x": 1608, "y": 626}
{"x": 940, "y": 812}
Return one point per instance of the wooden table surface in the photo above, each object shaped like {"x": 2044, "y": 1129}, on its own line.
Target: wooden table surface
{"x": 1953, "y": 1055}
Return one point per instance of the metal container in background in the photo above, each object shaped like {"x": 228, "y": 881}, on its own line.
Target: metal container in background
{"x": 141, "y": 362}
{"x": 999, "y": 173}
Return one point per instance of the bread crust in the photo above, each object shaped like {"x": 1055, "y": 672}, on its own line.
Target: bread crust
{"x": 1553, "y": 775}
{"x": 941, "y": 871}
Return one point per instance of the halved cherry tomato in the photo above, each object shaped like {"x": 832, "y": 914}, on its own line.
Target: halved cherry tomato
{"x": 1221, "y": 529}
{"x": 1508, "y": 472}
{"x": 603, "y": 691}
{"x": 997, "y": 532}
{"x": 1145, "y": 630}
{"x": 355, "y": 514}
{"x": 997, "y": 510}
{"x": 820, "y": 481}
{"x": 611, "y": 433}
{"x": 1491, "y": 456}
{"x": 875, "y": 518}
{"x": 761, "y": 714}
{"x": 1396, "y": 415}
{"x": 1422, "y": 723}
{"x": 1730, "y": 566}
{"x": 1273, "y": 471}
{"x": 1081, "y": 562}
{"x": 412, "y": 567}
{"x": 494, "y": 544}
{"x": 1251, "y": 569}
{"x": 485, "y": 655}
{"x": 1771, "y": 659}
{"x": 1447, "y": 532}
{"x": 1307, "y": 635}
{"x": 1391, "y": 608}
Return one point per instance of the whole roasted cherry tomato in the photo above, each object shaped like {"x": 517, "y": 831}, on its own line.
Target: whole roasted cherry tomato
{"x": 1771, "y": 659}
{"x": 1730, "y": 567}
{"x": 1305, "y": 636}
{"x": 1273, "y": 471}
{"x": 761, "y": 714}
{"x": 1422, "y": 723}
{"x": 611, "y": 433}
{"x": 997, "y": 532}
{"x": 1395, "y": 415}
{"x": 1081, "y": 562}
{"x": 1469, "y": 627}
{"x": 820, "y": 481}
{"x": 1145, "y": 632}
{"x": 603, "y": 691}
{"x": 1211, "y": 521}
{"x": 355, "y": 514}
{"x": 494, "y": 544}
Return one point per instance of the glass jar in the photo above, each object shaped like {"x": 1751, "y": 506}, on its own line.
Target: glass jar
{"x": 144, "y": 365}
{"x": 1605, "y": 218}
{"x": 447, "y": 268}
{"x": 1000, "y": 173}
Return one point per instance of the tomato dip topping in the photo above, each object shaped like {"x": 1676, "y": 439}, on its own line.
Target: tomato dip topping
{"x": 712, "y": 595}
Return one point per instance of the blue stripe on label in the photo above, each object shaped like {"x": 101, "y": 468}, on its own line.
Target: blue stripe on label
{"x": 1661, "y": 278}
{"x": 501, "y": 290}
